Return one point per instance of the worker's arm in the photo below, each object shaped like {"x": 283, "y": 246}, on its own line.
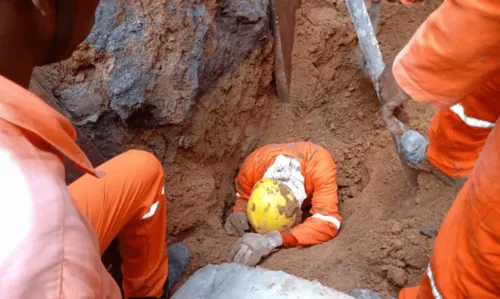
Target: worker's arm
{"x": 453, "y": 52}
{"x": 325, "y": 221}
{"x": 237, "y": 221}
{"x": 244, "y": 183}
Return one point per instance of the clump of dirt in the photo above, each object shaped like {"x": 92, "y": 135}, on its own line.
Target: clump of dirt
{"x": 386, "y": 238}
{"x": 291, "y": 209}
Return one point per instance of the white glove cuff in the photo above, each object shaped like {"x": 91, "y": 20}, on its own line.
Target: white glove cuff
{"x": 274, "y": 238}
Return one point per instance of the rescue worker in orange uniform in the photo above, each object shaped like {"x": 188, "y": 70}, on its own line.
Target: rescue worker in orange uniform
{"x": 453, "y": 63}
{"x": 53, "y": 235}
{"x": 452, "y": 153}
{"x": 272, "y": 186}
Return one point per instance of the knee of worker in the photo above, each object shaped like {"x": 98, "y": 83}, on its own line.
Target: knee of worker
{"x": 453, "y": 145}
{"x": 145, "y": 166}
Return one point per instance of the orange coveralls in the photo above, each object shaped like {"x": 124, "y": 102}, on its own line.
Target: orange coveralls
{"x": 319, "y": 172}
{"x": 53, "y": 235}
{"x": 458, "y": 132}
{"x": 453, "y": 62}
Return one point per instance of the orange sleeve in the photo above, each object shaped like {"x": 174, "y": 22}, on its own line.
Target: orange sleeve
{"x": 325, "y": 221}
{"x": 244, "y": 183}
{"x": 289, "y": 240}
{"x": 453, "y": 52}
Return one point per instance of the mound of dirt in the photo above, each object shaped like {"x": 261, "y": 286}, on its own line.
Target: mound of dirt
{"x": 380, "y": 246}
{"x": 189, "y": 81}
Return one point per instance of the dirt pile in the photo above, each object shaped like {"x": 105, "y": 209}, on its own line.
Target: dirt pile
{"x": 380, "y": 245}
{"x": 156, "y": 78}
{"x": 187, "y": 80}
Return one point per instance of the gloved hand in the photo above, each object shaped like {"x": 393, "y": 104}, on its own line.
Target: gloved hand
{"x": 415, "y": 147}
{"x": 392, "y": 98}
{"x": 236, "y": 224}
{"x": 251, "y": 248}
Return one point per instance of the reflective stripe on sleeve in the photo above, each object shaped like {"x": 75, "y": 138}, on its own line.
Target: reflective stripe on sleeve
{"x": 152, "y": 211}
{"x": 470, "y": 121}
{"x": 434, "y": 288}
{"x": 330, "y": 219}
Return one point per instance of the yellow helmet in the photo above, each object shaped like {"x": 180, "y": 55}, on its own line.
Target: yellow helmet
{"x": 272, "y": 206}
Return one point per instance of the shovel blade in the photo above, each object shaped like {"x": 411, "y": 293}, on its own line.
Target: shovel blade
{"x": 283, "y": 25}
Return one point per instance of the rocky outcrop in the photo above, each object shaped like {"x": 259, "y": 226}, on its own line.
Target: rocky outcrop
{"x": 187, "y": 80}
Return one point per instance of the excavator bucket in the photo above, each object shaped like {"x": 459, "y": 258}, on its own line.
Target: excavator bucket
{"x": 283, "y": 25}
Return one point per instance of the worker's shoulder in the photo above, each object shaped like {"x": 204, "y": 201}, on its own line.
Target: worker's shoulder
{"x": 30, "y": 168}
{"x": 41, "y": 228}
{"x": 31, "y": 214}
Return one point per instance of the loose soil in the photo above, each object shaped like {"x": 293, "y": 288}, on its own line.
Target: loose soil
{"x": 379, "y": 246}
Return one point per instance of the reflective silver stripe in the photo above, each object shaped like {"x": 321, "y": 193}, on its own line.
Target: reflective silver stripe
{"x": 330, "y": 219}
{"x": 470, "y": 121}
{"x": 434, "y": 288}
{"x": 152, "y": 211}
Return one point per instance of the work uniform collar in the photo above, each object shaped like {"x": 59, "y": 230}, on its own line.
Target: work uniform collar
{"x": 22, "y": 108}
{"x": 287, "y": 170}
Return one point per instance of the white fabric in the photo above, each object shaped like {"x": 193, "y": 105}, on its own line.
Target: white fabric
{"x": 287, "y": 170}
{"x": 434, "y": 288}
{"x": 17, "y": 207}
{"x": 330, "y": 219}
{"x": 470, "y": 121}
{"x": 152, "y": 211}
{"x": 233, "y": 281}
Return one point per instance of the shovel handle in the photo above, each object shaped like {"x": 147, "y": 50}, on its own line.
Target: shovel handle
{"x": 373, "y": 58}
{"x": 367, "y": 38}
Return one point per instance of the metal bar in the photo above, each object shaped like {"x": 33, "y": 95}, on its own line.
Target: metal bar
{"x": 283, "y": 25}
{"x": 373, "y": 58}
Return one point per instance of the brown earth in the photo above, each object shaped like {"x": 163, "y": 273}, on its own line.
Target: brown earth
{"x": 380, "y": 246}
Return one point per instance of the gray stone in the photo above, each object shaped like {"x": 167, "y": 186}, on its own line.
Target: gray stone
{"x": 363, "y": 294}
{"x": 158, "y": 62}
{"x": 83, "y": 102}
{"x": 429, "y": 232}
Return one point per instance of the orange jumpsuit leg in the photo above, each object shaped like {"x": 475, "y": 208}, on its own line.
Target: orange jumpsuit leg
{"x": 465, "y": 262}
{"x": 454, "y": 144}
{"x": 129, "y": 202}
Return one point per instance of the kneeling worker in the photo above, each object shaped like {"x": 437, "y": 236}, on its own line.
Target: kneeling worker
{"x": 53, "y": 235}
{"x": 273, "y": 184}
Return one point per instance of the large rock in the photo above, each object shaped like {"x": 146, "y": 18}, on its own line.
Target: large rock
{"x": 156, "y": 57}
{"x": 232, "y": 281}
{"x": 188, "y": 80}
